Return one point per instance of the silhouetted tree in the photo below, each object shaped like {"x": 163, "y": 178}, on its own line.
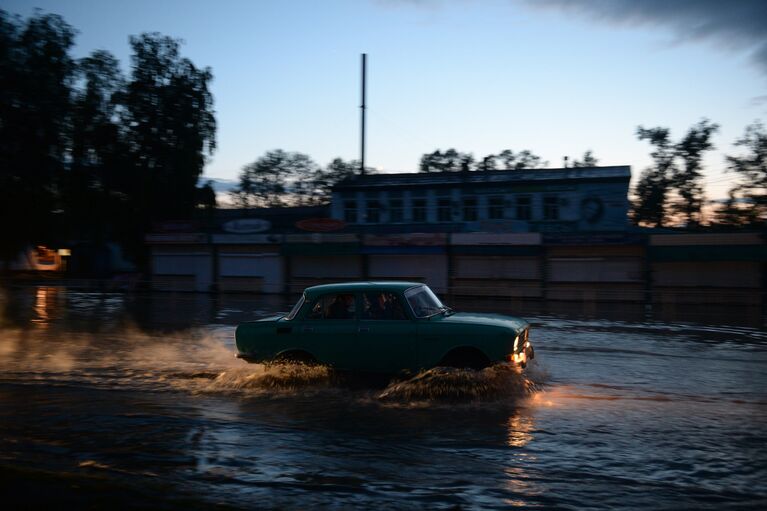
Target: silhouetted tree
{"x": 279, "y": 178}
{"x": 304, "y": 179}
{"x": 171, "y": 127}
{"x": 466, "y": 162}
{"x": 747, "y": 202}
{"x": 206, "y": 196}
{"x": 92, "y": 196}
{"x": 487, "y": 163}
{"x": 686, "y": 179}
{"x": 522, "y": 160}
{"x": 339, "y": 170}
{"x": 449, "y": 161}
{"x": 336, "y": 171}
{"x": 653, "y": 186}
{"x": 588, "y": 160}
{"x": 84, "y": 156}
{"x": 36, "y": 75}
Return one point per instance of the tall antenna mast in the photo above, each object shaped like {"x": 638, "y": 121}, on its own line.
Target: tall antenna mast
{"x": 363, "y": 107}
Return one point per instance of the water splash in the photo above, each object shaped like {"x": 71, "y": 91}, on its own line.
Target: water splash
{"x": 276, "y": 377}
{"x": 442, "y": 384}
{"x": 202, "y": 362}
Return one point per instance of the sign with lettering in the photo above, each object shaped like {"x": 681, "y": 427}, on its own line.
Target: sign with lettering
{"x": 247, "y": 225}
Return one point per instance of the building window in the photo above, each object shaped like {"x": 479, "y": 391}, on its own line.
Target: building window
{"x": 469, "y": 209}
{"x": 350, "y": 211}
{"x": 444, "y": 210}
{"x": 395, "y": 210}
{"x": 419, "y": 210}
{"x": 373, "y": 211}
{"x": 524, "y": 208}
{"x": 551, "y": 208}
{"x": 495, "y": 207}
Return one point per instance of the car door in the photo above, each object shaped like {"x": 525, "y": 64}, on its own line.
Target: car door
{"x": 329, "y": 329}
{"x": 387, "y": 334}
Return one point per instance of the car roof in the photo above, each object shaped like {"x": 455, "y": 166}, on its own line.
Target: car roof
{"x": 351, "y": 287}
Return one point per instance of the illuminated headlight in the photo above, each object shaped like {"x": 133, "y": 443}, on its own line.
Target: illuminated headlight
{"x": 516, "y": 344}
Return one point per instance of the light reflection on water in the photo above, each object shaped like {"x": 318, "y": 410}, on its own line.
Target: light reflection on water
{"x": 612, "y": 413}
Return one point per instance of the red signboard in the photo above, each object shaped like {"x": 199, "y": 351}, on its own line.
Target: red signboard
{"x": 320, "y": 224}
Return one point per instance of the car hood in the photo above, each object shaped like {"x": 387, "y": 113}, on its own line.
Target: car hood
{"x": 476, "y": 318}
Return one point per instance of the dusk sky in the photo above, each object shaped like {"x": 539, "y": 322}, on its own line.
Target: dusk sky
{"x": 556, "y": 77}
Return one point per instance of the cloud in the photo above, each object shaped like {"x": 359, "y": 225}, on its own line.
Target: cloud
{"x": 739, "y": 25}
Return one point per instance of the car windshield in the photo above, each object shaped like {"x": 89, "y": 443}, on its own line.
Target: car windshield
{"x": 296, "y": 308}
{"x": 423, "y": 302}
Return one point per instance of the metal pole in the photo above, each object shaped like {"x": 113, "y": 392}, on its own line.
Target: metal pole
{"x": 362, "y": 141}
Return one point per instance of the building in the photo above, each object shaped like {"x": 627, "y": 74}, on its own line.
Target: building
{"x": 547, "y": 235}
{"x": 542, "y": 200}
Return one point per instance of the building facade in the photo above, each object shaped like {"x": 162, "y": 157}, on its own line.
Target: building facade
{"x": 557, "y": 235}
{"x": 546, "y": 200}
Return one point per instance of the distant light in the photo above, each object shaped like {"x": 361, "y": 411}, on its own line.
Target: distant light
{"x": 65, "y": 252}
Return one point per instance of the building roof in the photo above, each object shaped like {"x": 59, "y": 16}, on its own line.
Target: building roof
{"x": 488, "y": 177}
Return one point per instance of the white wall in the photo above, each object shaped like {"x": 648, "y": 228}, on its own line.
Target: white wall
{"x": 267, "y": 266}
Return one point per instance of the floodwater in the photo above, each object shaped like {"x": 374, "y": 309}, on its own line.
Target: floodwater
{"x": 136, "y": 401}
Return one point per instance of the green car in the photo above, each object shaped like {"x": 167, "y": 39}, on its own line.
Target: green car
{"x": 384, "y": 327}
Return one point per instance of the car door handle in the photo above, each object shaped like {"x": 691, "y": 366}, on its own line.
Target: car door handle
{"x": 363, "y": 330}
{"x": 308, "y": 329}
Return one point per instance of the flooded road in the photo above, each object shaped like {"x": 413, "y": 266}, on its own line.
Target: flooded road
{"x": 137, "y": 401}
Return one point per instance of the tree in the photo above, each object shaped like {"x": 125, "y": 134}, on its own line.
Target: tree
{"x": 279, "y": 178}
{"x": 304, "y": 178}
{"x": 171, "y": 127}
{"x": 92, "y": 195}
{"x": 336, "y": 171}
{"x": 206, "y": 196}
{"x": 449, "y": 161}
{"x": 466, "y": 160}
{"x": 36, "y": 75}
{"x": 686, "y": 180}
{"x": 748, "y": 199}
{"x": 524, "y": 159}
{"x": 654, "y": 183}
{"x": 339, "y": 170}
{"x": 588, "y": 160}
{"x": 487, "y": 163}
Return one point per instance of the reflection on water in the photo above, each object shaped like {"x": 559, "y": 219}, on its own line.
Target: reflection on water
{"x": 520, "y": 428}
{"x": 139, "y": 399}
{"x": 41, "y": 306}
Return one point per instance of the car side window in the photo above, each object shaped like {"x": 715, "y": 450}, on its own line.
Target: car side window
{"x": 382, "y": 306}
{"x": 333, "y": 306}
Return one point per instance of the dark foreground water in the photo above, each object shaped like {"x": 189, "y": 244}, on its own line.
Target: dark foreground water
{"x": 110, "y": 400}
